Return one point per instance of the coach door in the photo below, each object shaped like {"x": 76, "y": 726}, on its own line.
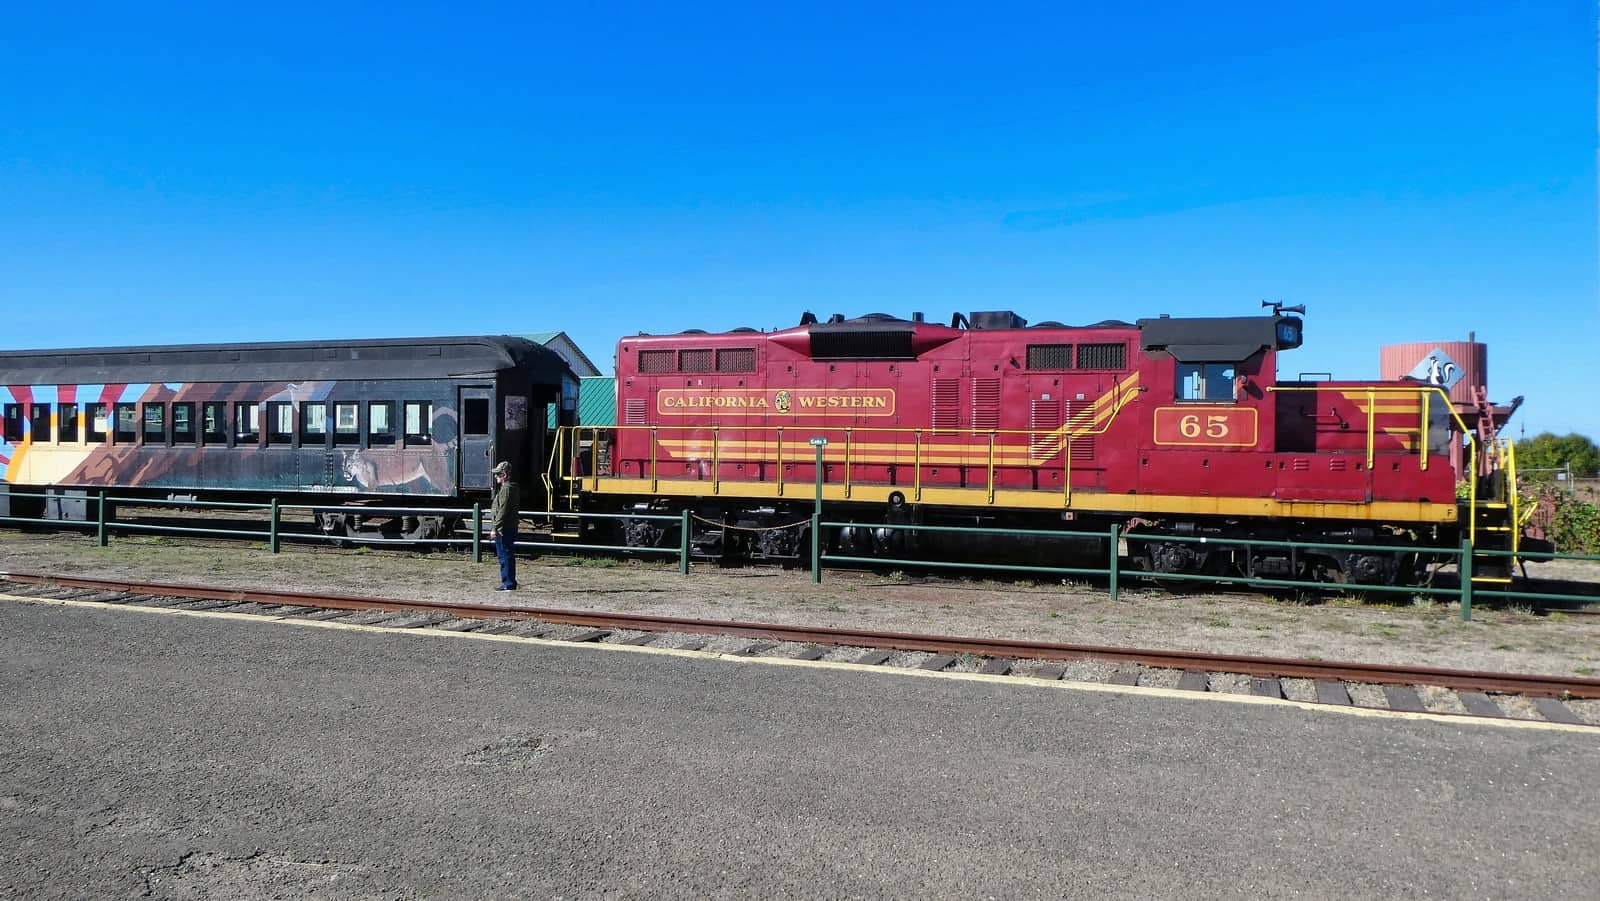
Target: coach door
{"x": 477, "y": 441}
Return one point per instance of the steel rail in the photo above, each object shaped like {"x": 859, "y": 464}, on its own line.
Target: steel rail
{"x": 1266, "y": 667}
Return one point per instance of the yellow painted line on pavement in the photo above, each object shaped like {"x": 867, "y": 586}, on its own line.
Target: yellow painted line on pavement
{"x": 1059, "y": 684}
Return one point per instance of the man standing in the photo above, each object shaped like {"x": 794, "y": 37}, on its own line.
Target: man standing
{"x": 503, "y": 525}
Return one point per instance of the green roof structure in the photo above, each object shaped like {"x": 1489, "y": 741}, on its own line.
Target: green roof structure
{"x": 597, "y": 402}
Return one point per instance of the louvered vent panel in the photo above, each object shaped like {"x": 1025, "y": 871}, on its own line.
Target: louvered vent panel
{"x": 1336, "y": 465}
{"x": 1044, "y": 417}
{"x": 986, "y": 403}
{"x": 1301, "y": 465}
{"x": 633, "y": 411}
{"x": 946, "y": 404}
{"x": 1082, "y": 445}
{"x": 653, "y": 361}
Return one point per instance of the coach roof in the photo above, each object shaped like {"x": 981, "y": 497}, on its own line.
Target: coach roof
{"x": 379, "y": 358}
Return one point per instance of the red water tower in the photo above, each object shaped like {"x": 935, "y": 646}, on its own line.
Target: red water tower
{"x": 1461, "y": 369}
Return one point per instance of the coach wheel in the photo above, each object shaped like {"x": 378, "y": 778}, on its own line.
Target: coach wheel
{"x": 345, "y": 524}
{"x": 423, "y": 528}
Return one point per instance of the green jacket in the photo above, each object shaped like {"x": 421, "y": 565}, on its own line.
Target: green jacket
{"x": 503, "y": 510}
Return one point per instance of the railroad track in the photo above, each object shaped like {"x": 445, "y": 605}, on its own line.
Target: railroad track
{"x": 1407, "y": 689}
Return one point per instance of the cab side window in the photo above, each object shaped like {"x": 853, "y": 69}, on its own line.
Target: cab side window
{"x": 1205, "y": 382}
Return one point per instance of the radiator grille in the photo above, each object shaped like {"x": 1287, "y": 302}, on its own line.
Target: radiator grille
{"x": 633, "y": 411}
{"x": 694, "y": 360}
{"x": 1103, "y": 356}
{"x": 654, "y": 361}
{"x": 736, "y": 359}
{"x": 1050, "y": 356}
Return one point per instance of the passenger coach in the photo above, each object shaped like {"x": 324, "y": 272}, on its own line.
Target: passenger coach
{"x": 418, "y": 420}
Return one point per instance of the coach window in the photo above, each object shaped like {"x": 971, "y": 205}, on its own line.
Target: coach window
{"x": 97, "y": 423}
{"x": 215, "y": 422}
{"x": 41, "y": 423}
{"x": 246, "y": 424}
{"x": 346, "y": 423}
{"x": 314, "y": 424}
{"x": 127, "y": 424}
{"x": 183, "y": 423}
{"x": 419, "y": 422}
{"x": 67, "y": 423}
{"x": 280, "y": 423}
{"x": 475, "y": 416}
{"x": 380, "y": 423}
{"x": 1205, "y": 381}
{"x": 13, "y": 423}
{"x": 155, "y": 423}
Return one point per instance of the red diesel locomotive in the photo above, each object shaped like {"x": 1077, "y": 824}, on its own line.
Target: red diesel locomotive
{"x": 1168, "y": 425}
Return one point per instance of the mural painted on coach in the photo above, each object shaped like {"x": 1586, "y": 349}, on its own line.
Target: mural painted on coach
{"x": 390, "y": 455}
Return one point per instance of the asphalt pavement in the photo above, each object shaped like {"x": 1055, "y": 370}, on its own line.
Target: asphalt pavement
{"x": 186, "y": 757}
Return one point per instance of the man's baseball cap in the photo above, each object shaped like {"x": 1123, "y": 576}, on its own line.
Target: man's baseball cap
{"x": 502, "y": 468}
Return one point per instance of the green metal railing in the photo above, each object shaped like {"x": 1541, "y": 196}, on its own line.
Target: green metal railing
{"x": 105, "y": 523}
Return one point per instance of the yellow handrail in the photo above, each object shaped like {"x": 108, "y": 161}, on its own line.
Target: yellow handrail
{"x": 847, "y": 463}
{"x": 916, "y": 463}
{"x": 1065, "y": 434}
{"x": 1422, "y": 432}
{"x": 991, "y": 463}
{"x": 1428, "y": 390}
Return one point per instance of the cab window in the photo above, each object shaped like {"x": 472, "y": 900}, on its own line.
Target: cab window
{"x": 1205, "y": 382}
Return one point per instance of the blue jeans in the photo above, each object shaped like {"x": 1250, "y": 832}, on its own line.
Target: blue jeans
{"x": 505, "y": 541}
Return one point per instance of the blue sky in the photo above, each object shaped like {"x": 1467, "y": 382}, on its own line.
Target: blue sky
{"x": 1410, "y": 171}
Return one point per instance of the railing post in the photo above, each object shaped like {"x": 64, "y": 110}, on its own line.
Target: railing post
{"x": 272, "y": 528}
{"x": 477, "y": 531}
{"x": 1466, "y": 581}
{"x": 100, "y": 526}
{"x": 1112, "y": 569}
{"x": 683, "y": 544}
{"x": 816, "y": 548}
